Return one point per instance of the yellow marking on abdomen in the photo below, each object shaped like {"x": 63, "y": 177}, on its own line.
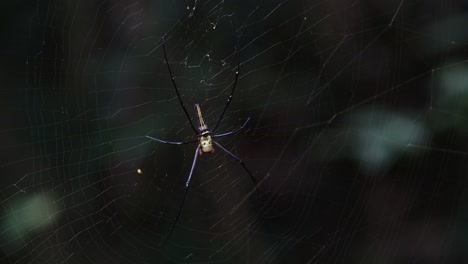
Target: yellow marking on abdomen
{"x": 200, "y": 118}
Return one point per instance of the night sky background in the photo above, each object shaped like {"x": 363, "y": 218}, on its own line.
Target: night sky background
{"x": 357, "y": 134}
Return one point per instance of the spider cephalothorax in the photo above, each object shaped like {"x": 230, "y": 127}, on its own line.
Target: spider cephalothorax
{"x": 205, "y": 136}
{"x": 206, "y": 142}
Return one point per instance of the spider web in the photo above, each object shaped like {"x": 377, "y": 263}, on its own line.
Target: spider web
{"x": 356, "y": 137}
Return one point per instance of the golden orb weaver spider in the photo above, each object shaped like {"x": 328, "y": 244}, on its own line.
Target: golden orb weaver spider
{"x": 205, "y": 136}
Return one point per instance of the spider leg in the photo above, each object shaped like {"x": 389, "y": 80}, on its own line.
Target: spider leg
{"x": 187, "y": 183}
{"x": 239, "y": 160}
{"x": 232, "y": 92}
{"x": 175, "y": 87}
{"x": 231, "y": 132}
{"x": 172, "y": 142}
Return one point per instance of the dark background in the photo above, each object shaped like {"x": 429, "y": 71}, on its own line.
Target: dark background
{"x": 357, "y": 134}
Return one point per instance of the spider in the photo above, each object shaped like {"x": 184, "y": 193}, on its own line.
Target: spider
{"x": 205, "y": 135}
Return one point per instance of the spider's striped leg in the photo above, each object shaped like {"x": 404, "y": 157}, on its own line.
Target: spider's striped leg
{"x": 187, "y": 184}
{"x": 230, "y": 95}
{"x": 175, "y": 87}
{"x": 240, "y": 161}
{"x": 173, "y": 142}
{"x": 233, "y": 131}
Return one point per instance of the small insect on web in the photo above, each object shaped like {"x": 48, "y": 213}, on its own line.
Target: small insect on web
{"x": 205, "y": 136}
